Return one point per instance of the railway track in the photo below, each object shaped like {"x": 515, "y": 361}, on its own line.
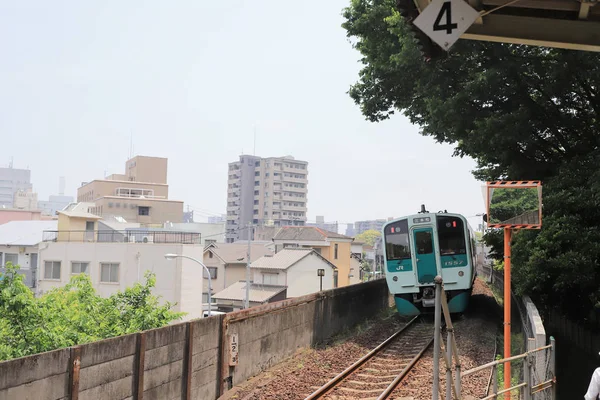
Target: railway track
{"x": 378, "y": 373}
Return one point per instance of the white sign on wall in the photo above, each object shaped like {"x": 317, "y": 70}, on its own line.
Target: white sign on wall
{"x": 233, "y": 349}
{"x": 444, "y": 21}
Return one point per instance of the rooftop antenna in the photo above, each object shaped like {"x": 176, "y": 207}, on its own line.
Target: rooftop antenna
{"x": 423, "y": 210}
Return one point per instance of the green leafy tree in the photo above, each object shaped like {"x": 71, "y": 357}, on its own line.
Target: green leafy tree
{"x": 73, "y": 314}
{"x": 369, "y": 237}
{"x": 519, "y": 111}
{"x": 522, "y": 112}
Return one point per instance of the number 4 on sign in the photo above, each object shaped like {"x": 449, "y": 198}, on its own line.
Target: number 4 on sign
{"x": 448, "y": 26}
{"x": 444, "y": 21}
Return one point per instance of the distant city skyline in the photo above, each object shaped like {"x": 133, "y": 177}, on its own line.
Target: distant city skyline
{"x": 93, "y": 80}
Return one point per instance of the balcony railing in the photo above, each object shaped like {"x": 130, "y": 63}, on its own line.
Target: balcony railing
{"x": 128, "y": 236}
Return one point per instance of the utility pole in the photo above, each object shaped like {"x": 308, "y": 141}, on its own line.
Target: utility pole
{"x": 247, "y": 302}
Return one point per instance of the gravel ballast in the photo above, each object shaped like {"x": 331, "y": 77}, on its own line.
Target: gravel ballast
{"x": 308, "y": 369}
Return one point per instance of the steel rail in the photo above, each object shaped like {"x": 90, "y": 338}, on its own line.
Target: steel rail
{"x": 342, "y": 375}
{"x": 388, "y": 391}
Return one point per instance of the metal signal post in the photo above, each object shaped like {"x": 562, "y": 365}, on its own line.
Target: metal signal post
{"x": 527, "y": 220}
{"x": 507, "y": 290}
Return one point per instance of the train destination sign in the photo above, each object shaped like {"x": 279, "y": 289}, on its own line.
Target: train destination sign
{"x": 444, "y": 21}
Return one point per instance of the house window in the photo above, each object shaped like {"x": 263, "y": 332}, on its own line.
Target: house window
{"x": 109, "y": 272}
{"x": 335, "y": 251}
{"x": 52, "y": 270}
{"x": 11, "y": 258}
{"x": 80, "y": 268}
{"x": 335, "y": 279}
{"x": 269, "y": 279}
{"x": 143, "y": 210}
{"x": 210, "y": 254}
{"x": 213, "y": 272}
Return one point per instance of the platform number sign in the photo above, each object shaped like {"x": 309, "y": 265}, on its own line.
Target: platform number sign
{"x": 444, "y": 21}
{"x": 233, "y": 349}
{"x": 448, "y": 26}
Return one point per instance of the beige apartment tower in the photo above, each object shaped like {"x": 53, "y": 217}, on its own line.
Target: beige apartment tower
{"x": 139, "y": 195}
{"x": 265, "y": 191}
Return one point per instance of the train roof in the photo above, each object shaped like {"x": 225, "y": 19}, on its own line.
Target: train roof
{"x": 431, "y": 214}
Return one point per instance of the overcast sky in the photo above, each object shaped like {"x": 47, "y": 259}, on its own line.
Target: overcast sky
{"x": 190, "y": 80}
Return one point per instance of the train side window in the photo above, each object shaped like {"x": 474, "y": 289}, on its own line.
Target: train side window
{"x": 424, "y": 243}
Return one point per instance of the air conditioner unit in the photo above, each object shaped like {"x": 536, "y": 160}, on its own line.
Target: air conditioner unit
{"x": 148, "y": 239}
{"x": 129, "y": 239}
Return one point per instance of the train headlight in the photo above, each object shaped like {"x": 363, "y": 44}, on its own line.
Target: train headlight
{"x": 395, "y": 278}
{"x": 461, "y": 273}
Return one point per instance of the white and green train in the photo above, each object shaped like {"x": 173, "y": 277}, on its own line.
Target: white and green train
{"x": 419, "y": 247}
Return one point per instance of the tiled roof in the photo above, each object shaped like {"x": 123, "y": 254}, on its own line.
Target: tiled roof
{"x": 25, "y": 233}
{"x": 282, "y": 260}
{"x": 309, "y": 233}
{"x": 236, "y": 252}
{"x": 259, "y": 293}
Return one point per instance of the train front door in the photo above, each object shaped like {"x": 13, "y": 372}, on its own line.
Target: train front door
{"x": 425, "y": 255}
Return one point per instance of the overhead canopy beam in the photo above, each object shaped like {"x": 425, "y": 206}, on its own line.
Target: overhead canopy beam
{"x": 560, "y": 33}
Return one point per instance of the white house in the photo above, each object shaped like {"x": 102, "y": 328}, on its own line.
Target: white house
{"x": 19, "y": 245}
{"x": 227, "y": 262}
{"x": 295, "y": 268}
{"x": 114, "y": 264}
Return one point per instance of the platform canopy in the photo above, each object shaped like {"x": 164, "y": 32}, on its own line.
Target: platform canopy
{"x": 567, "y": 24}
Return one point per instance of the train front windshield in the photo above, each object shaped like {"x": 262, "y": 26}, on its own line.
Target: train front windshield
{"x": 397, "y": 244}
{"x": 451, "y": 235}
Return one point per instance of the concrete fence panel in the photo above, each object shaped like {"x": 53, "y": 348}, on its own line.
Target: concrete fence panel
{"x": 206, "y": 351}
{"x": 164, "y": 362}
{"x": 43, "y": 376}
{"x": 107, "y": 368}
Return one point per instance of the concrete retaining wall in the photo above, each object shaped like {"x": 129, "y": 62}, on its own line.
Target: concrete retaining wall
{"x": 191, "y": 360}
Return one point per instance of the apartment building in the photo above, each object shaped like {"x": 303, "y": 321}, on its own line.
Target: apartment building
{"x": 11, "y": 181}
{"x": 140, "y": 195}
{"x": 265, "y": 191}
{"x": 115, "y": 261}
{"x": 25, "y": 199}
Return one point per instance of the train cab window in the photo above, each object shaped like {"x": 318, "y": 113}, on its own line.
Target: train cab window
{"x": 397, "y": 246}
{"x": 423, "y": 242}
{"x": 451, "y": 236}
